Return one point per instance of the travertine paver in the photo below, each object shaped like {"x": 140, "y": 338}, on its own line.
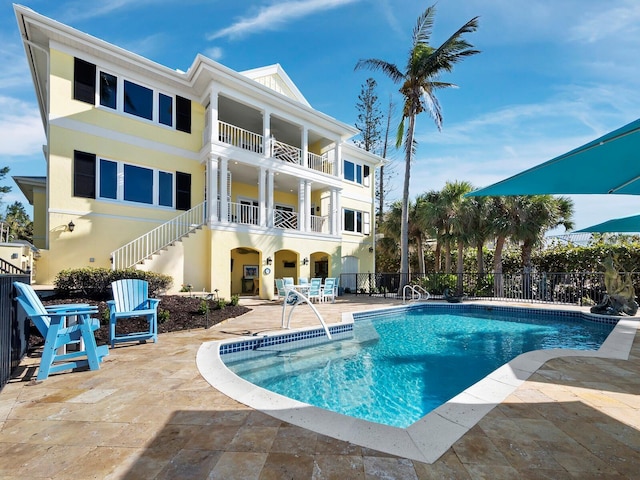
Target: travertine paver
{"x": 147, "y": 413}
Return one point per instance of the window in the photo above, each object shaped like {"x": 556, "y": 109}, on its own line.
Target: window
{"x": 130, "y": 97}
{"x": 108, "y": 90}
{"x": 367, "y": 179}
{"x": 84, "y": 81}
{"x": 165, "y": 110}
{"x": 165, "y": 187}
{"x": 108, "y": 179}
{"x": 138, "y": 100}
{"x": 84, "y": 174}
{"x": 138, "y": 184}
{"x": 132, "y": 183}
{"x": 352, "y": 172}
{"x": 356, "y": 221}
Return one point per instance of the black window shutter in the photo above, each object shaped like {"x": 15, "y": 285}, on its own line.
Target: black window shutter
{"x": 84, "y": 81}
{"x": 183, "y": 114}
{"x": 366, "y": 171}
{"x": 183, "y": 191}
{"x": 84, "y": 174}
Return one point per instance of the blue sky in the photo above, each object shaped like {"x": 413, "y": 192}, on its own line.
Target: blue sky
{"x": 552, "y": 74}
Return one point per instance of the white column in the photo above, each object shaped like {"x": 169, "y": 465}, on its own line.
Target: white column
{"x": 266, "y": 132}
{"x": 302, "y": 207}
{"x": 307, "y": 204}
{"x": 270, "y": 202}
{"x": 334, "y": 215}
{"x": 224, "y": 203}
{"x": 338, "y": 164}
{"x": 304, "y": 140}
{"x": 262, "y": 196}
{"x": 212, "y": 189}
{"x": 213, "y": 113}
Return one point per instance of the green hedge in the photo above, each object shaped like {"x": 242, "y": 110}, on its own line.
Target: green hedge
{"x": 96, "y": 282}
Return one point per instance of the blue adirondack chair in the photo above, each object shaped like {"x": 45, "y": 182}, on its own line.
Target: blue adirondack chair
{"x": 329, "y": 290}
{"x": 315, "y": 290}
{"x": 52, "y": 324}
{"x": 131, "y": 299}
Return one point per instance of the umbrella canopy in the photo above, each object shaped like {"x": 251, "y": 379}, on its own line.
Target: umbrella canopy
{"x": 609, "y": 164}
{"x": 617, "y": 225}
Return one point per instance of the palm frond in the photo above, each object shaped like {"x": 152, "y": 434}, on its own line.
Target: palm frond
{"x": 424, "y": 25}
{"x": 452, "y": 50}
{"x": 400, "y": 133}
{"x": 389, "y": 69}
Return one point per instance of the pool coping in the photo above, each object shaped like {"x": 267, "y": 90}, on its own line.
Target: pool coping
{"x": 431, "y": 436}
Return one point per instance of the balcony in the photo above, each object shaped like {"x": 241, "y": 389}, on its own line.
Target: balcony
{"x": 245, "y": 214}
{"x": 238, "y": 137}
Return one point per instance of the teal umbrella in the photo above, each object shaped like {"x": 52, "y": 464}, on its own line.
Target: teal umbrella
{"x": 609, "y": 164}
{"x": 617, "y": 225}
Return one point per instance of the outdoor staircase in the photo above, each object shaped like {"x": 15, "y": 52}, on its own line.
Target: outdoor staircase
{"x": 160, "y": 238}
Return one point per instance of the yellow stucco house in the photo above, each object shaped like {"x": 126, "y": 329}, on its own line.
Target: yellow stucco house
{"x": 224, "y": 180}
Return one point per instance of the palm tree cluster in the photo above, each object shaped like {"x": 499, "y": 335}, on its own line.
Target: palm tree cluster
{"x": 450, "y": 220}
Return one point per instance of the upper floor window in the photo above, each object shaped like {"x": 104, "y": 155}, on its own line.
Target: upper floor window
{"x": 356, "y": 221}
{"x": 355, "y": 172}
{"x": 130, "y": 97}
{"x": 138, "y": 100}
{"x": 108, "y": 179}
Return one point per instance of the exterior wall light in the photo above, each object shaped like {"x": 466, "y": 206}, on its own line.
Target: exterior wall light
{"x": 71, "y": 226}
{"x": 305, "y": 261}
{"x": 269, "y": 261}
{"x": 370, "y": 249}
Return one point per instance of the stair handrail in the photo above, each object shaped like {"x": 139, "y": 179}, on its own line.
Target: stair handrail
{"x": 159, "y": 238}
{"x": 417, "y": 293}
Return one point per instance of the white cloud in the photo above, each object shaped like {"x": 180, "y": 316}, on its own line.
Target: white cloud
{"x": 21, "y": 130}
{"x": 274, "y": 16}
{"x": 214, "y": 53}
{"x": 619, "y": 22}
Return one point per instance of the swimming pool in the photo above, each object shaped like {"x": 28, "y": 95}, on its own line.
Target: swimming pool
{"x": 398, "y": 367}
{"x": 424, "y": 440}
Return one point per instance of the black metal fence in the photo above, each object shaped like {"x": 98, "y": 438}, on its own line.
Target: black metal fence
{"x": 578, "y": 288}
{"x": 13, "y": 331}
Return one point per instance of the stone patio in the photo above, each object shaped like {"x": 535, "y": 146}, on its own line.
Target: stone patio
{"x": 147, "y": 413}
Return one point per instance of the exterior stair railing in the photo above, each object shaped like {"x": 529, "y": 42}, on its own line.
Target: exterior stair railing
{"x": 145, "y": 246}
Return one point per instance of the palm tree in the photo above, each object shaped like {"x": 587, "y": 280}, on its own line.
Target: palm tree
{"x": 536, "y": 214}
{"x": 418, "y": 84}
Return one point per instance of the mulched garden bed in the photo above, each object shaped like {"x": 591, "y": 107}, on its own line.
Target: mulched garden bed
{"x": 185, "y": 313}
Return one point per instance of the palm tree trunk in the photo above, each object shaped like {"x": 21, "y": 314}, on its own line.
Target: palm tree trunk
{"x": 404, "y": 230}
{"x": 480, "y": 259}
{"x": 421, "y": 264}
{"x": 498, "y": 283}
{"x": 460, "y": 268}
{"x": 438, "y": 255}
{"x": 447, "y": 256}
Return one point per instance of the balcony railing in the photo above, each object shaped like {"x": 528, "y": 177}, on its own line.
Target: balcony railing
{"x": 239, "y": 137}
{"x": 243, "y": 214}
{"x": 286, "y": 152}
{"x": 320, "y": 163}
{"x": 285, "y": 219}
{"x": 319, "y": 224}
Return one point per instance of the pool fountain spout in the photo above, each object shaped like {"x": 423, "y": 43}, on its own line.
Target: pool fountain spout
{"x": 294, "y": 298}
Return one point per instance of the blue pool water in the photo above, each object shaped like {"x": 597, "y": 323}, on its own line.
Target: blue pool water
{"x": 397, "y": 368}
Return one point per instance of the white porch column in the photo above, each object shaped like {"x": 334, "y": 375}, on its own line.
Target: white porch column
{"x": 338, "y": 160}
{"x": 334, "y": 212}
{"x": 262, "y": 197}
{"x": 212, "y": 190}
{"x": 224, "y": 202}
{"x": 302, "y": 207}
{"x": 307, "y": 203}
{"x": 270, "y": 203}
{"x": 213, "y": 113}
{"x": 304, "y": 141}
{"x": 266, "y": 132}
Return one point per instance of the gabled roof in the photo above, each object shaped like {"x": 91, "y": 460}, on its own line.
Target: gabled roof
{"x": 274, "y": 77}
